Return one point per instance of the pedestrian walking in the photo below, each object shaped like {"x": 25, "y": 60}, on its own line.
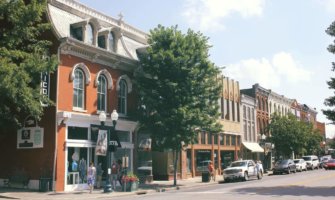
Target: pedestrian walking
{"x": 211, "y": 170}
{"x": 115, "y": 173}
{"x": 91, "y": 173}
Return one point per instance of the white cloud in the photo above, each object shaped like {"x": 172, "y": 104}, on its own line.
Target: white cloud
{"x": 270, "y": 73}
{"x": 209, "y": 14}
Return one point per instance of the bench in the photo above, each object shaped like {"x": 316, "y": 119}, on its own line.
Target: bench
{"x": 16, "y": 181}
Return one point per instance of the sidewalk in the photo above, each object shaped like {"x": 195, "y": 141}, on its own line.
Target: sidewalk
{"x": 155, "y": 186}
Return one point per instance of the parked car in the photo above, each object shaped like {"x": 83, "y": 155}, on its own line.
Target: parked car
{"x": 243, "y": 169}
{"x": 330, "y": 164}
{"x": 312, "y": 162}
{"x": 324, "y": 159}
{"x": 284, "y": 166}
{"x": 300, "y": 165}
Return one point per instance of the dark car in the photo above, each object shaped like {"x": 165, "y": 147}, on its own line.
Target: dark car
{"x": 330, "y": 164}
{"x": 284, "y": 166}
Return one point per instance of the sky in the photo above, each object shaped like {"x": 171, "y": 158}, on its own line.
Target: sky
{"x": 282, "y": 45}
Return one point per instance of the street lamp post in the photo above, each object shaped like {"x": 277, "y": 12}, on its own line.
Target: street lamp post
{"x": 263, "y": 137}
{"x": 111, "y": 146}
{"x": 108, "y": 186}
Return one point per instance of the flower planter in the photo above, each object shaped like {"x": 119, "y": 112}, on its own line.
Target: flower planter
{"x": 132, "y": 186}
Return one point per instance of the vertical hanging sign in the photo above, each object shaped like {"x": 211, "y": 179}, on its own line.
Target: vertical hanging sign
{"x": 45, "y": 87}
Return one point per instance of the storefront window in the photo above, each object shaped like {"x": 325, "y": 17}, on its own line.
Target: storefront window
{"x": 216, "y": 138}
{"x": 202, "y": 159}
{"x": 77, "y": 165}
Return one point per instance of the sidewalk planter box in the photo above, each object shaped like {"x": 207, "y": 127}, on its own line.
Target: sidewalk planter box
{"x": 132, "y": 186}
{"x": 205, "y": 177}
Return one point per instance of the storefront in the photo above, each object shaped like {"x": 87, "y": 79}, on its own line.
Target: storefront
{"x": 80, "y": 144}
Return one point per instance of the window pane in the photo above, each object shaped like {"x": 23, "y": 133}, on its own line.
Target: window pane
{"x": 122, "y": 97}
{"x": 102, "y": 42}
{"x": 102, "y": 93}
{"x": 76, "y": 32}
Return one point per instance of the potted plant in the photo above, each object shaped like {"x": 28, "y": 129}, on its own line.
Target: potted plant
{"x": 130, "y": 182}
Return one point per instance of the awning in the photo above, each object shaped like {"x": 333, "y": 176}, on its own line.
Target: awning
{"x": 253, "y": 147}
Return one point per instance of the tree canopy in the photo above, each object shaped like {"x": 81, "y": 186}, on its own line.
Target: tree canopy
{"x": 330, "y": 101}
{"x": 289, "y": 134}
{"x": 23, "y": 56}
{"x": 178, "y": 87}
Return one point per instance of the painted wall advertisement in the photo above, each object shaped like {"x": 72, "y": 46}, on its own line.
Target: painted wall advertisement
{"x": 30, "y": 138}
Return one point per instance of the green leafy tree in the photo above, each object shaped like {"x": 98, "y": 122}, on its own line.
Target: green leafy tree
{"x": 330, "y": 101}
{"x": 178, "y": 88}
{"x": 23, "y": 56}
{"x": 289, "y": 134}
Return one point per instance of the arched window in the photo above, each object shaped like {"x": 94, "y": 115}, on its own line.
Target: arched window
{"x": 90, "y": 33}
{"x": 111, "y": 41}
{"x": 122, "y": 97}
{"x": 102, "y": 93}
{"x": 78, "y": 89}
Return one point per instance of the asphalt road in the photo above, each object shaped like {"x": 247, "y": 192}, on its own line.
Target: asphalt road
{"x": 316, "y": 185}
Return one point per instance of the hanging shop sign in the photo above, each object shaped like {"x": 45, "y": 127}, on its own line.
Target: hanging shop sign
{"x": 30, "y": 138}
{"x": 101, "y": 148}
{"x": 45, "y": 87}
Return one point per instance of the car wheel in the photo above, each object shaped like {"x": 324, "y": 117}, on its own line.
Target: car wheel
{"x": 312, "y": 168}
{"x": 295, "y": 170}
{"x": 246, "y": 177}
{"x": 288, "y": 170}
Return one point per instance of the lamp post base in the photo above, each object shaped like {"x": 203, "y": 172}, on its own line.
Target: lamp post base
{"x": 108, "y": 188}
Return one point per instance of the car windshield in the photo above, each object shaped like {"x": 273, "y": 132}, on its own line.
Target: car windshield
{"x": 331, "y": 161}
{"x": 283, "y": 162}
{"x": 296, "y": 161}
{"x": 307, "y": 158}
{"x": 238, "y": 164}
{"x": 323, "y": 159}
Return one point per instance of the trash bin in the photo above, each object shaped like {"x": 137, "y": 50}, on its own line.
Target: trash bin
{"x": 45, "y": 184}
{"x": 205, "y": 177}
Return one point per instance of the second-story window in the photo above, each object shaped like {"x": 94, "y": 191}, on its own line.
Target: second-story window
{"x": 122, "y": 97}
{"x": 76, "y": 32}
{"x": 102, "y": 93}
{"x": 78, "y": 89}
{"x": 102, "y": 41}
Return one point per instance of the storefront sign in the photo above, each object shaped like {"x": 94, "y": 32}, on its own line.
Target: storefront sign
{"x": 45, "y": 86}
{"x": 30, "y": 138}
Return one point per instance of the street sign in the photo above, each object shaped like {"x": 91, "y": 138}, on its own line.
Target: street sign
{"x": 113, "y": 142}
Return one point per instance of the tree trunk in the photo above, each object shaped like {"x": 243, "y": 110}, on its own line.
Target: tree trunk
{"x": 175, "y": 168}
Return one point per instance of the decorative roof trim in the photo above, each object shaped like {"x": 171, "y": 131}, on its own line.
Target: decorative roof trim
{"x": 74, "y": 6}
{"x": 107, "y": 75}
{"x": 128, "y": 81}
{"x": 83, "y": 67}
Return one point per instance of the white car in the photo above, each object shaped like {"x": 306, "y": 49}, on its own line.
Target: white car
{"x": 243, "y": 169}
{"x": 300, "y": 165}
{"x": 312, "y": 162}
